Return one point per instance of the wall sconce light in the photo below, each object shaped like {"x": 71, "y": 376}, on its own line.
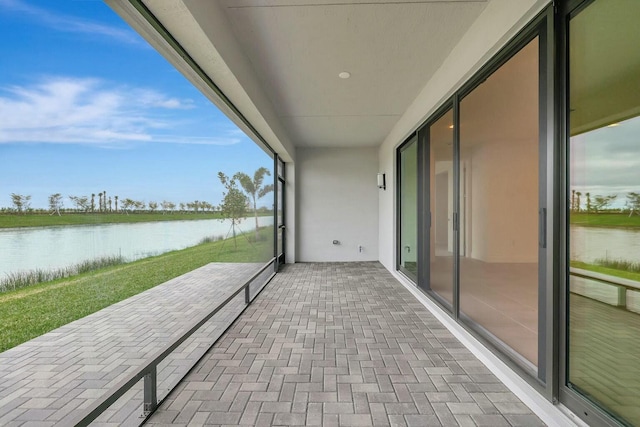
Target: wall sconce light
{"x": 381, "y": 181}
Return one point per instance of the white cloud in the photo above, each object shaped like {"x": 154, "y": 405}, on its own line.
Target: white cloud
{"x": 154, "y": 99}
{"x": 70, "y": 24}
{"x": 89, "y": 111}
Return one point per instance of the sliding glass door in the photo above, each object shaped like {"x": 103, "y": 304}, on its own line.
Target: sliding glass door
{"x": 441, "y": 183}
{"x": 527, "y": 207}
{"x": 499, "y": 204}
{"x": 602, "y": 372}
{"x": 478, "y": 214}
{"x": 408, "y": 207}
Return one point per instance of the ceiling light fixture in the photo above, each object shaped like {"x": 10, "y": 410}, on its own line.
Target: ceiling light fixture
{"x": 344, "y": 75}
{"x": 612, "y": 125}
{"x": 450, "y": 126}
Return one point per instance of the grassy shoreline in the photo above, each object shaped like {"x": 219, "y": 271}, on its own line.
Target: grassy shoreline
{"x": 612, "y": 220}
{"x": 46, "y": 220}
{"x": 32, "y": 311}
{"x": 596, "y": 268}
{"x": 23, "y": 279}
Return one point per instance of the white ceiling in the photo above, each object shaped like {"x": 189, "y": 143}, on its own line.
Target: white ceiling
{"x": 278, "y": 60}
{"x": 297, "y": 48}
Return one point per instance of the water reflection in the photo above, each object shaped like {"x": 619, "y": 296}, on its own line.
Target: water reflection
{"x": 591, "y": 243}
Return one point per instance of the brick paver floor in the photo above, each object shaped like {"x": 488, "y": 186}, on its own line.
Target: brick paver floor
{"x": 340, "y": 344}
{"x": 49, "y": 379}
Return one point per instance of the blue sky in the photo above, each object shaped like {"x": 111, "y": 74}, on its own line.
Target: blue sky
{"x": 86, "y": 105}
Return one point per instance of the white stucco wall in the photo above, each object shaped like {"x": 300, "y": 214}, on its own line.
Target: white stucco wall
{"x": 337, "y": 199}
{"x": 290, "y": 213}
{"x": 498, "y": 23}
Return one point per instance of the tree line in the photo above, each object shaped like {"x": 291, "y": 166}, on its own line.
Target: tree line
{"x": 235, "y": 203}
{"x": 21, "y": 204}
{"x": 598, "y": 203}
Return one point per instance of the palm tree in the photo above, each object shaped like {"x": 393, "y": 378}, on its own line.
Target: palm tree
{"x": 100, "y": 202}
{"x": 578, "y": 194}
{"x": 104, "y": 200}
{"x": 116, "y": 197}
{"x": 93, "y": 202}
{"x": 254, "y": 189}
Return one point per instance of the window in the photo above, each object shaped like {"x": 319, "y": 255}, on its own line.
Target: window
{"x": 604, "y": 207}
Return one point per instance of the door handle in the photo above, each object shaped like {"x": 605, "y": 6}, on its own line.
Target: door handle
{"x": 542, "y": 228}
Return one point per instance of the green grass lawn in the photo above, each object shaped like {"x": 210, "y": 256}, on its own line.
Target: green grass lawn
{"x": 30, "y": 312}
{"x": 605, "y": 220}
{"x": 606, "y": 270}
{"x": 44, "y": 220}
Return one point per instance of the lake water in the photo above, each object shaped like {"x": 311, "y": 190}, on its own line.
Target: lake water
{"x": 590, "y": 243}
{"x": 23, "y": 249}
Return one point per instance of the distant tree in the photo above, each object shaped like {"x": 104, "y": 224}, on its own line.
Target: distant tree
{"x": 127, "y": 205}
{"x": 116, "y": 197}
{"x": 578, "y": 194}
{"x": 99, "y": 202}
{"x": 104, "y": 201}
{"x": 602, "y": 202}
{"x": 21, "y": 203}
{"x": 234, "y": 203}
{"x": 109, "y": 203}
{"x": 588, "y": 195}
{"x": 181, "y": 207}
{"x": 93, "y": 202}
{"x": 573, "y": 201}
{"x": 139, "y": 205}
{"x": 167, "y": 206}
{"x": 153, "y": 206}
{"x": 80, "y": 202}
{"x": 633, "y": 202}
{"x": 55, "y": 203}
{"x": 254, "y": 189}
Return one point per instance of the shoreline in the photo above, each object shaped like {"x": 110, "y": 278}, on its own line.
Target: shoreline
{"x": 14, "y": 221}
{"x": 28, "y": 312}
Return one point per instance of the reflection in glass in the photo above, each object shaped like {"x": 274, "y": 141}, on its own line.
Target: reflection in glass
{"x": 441, "y": 202}
{"x": 409, "y": 209}
{"x": 499, "y": 190}
{"x": 604, "y": 207}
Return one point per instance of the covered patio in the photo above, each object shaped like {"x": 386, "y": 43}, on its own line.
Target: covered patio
{"x": 322, "y": 344}
{"x": 340, "y": 344}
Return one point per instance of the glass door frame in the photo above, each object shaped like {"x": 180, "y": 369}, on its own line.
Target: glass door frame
{"x": 411, "y": 139}
{"x": 542, "y": 27}
{"x": 573, "y": 400}
{"x": 425, "y": 218}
